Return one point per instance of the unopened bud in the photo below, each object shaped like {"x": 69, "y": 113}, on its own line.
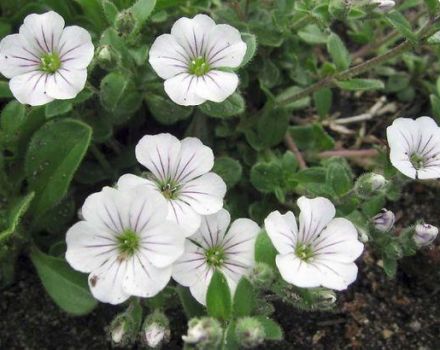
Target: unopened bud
{"x": 384, "y": 5}
{"x": 384, "y": 221}
{"x": 424, "y": 234}
{"x": 106, "y": 57}
{"x": 156, "y": 330}
{"x": 326, "y": 298}
{"x": 125, "y": 22}
{"x": 204, "y": 333}
{"x": 369, "y": 184}
{"x": 262, "y": 275}
{"x": 125, "y": 326}
{"x": 249, "y": 332}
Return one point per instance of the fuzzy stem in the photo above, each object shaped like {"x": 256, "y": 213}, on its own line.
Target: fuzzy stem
{"x": 291, "y": 145}
{"x": 348, "y": 153}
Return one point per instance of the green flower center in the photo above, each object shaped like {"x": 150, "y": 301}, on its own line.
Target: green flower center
{"x": 50, "y": 62}
{"x": 215, "y": 256}
{"x": 128, "y": 243}
{"x": 169, "y": 189}
{"x": 198, "y": 66}
{"x": 417, "y": 161}
{"x": 304, "y": 251}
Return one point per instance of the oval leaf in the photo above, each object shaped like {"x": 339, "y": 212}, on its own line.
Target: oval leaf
{"x": 218, "y": 298}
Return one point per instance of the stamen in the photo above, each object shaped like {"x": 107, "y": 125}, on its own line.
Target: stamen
{"x": 128, "y": 244}
{"x": 215, "y": 256}
{"x": 304, "y": 251}
{"x": 198, "y": 66}
{"x": 50, "y": 62}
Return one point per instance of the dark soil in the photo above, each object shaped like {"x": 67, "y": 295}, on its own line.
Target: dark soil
{"x": 375, "y": 313}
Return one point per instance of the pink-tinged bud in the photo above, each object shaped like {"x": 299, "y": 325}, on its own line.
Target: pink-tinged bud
{"x": 384, "y": 221}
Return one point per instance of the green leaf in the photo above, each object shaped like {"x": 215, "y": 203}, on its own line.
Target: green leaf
{"x": 232, "y": 106}
{"x": 142, "y": 10}
{"x": 398, "y": 21}
{"x": 244, "y": 302}
{"x": 119, "y": 96}
{"x": 166, "y": 111}
{"x": 432, "y": 5}
{"x": 264, "y": 250}
{"x": 251, "y": 47}
{"x": 323, "y": 101}
{"x": 93, "y": 12}
{"x": 373, "y": 205}
{"x": 51, "y": 164}
{"x": 68, "y": 288}
{"x": 311, "y": 137}
{"x": 231, "y": 341}
{"x": 360, "y": 84}
{"x": 190, "y": 305}
{"x": 435, "y": 106}
{"x": 311, "y": 34}
{"x": 338, "y": 52}
{"x": 295, "y": 105}
{"x": 266, "y": 177}
{"x": 15, "y": 213}
{"x": 339, "y": 179}
{"x": 5, "y": 92}
{"x": 229, "y": 169}
{"x": 272, "y": 330}
{"x": 12, "y": 117}
{"x": 218, "y": 297}
{"x": 390, "y": 266}
{"x": 58, "y": 107}
{"x": 110, "y": 11}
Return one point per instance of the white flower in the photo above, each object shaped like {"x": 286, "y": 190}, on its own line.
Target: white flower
{"x": 46, "y": 61}
{"x": 192, "y": 60}
{"x": 322, "y": 252}
{"x": 384, "y": 5}
{"x": 425, "y": 234}
{"x": 125, "y": 244}
{"x": 415, "y": 147}
{"x": 180, "y": 171}
{"x": 213, "y": 247}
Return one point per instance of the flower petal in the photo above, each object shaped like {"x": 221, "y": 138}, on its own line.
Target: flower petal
{"x": 163, "y": 243}
{"x": 336, "y": 275}
{"x": 282, "y": 231}
{"x": 30, "y": 88}
{"x": 195, "y": 159}
{"x": 185, "y": 216}
{"x": 189, "y": 268}
{"x": 43, "y": 32}
{"x": 204, "y": 194}
{"x": 167, "y": 57}
{"x": 192, "y": 34}
{"x": 315, "y": 215}
{"x": 144, "y": 279}
{"x": 212, "y": 229}
{"x": 216, "y": 85}
{"x": 88, "y": 247}
{"x": 297, "y": 272}
{"x": 108, "y": 209}
{"x": 239, "y": 243}
{"x": 159, "y": 154}
{"x": 15, "y": 58}
{"x": 182, "y": 89}
{"x": 225, "y": 47}
{"x": 75, "y": 48}
{"x": 106, "y": 283}
{"x": 200, "y": 288}
{"x": 338, "y": 242}
{"x": 65, "y": 84}
{"x": 129, "y": 181}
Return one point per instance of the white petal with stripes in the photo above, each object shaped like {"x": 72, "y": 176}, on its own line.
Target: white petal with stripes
{"x": 45, "y": 60}
{"x": 321, "y": 252}
{"x": 192, "y": 60}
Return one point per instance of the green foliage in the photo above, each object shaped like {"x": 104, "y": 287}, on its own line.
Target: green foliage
{"x": 264, "y": 250}
{"x": 218, "y": 297}
{"x": 67, "y": 288}
{"x": 244, "y": 302}
{"x": 50, "y": 165}
{"x": 232, "y": 106}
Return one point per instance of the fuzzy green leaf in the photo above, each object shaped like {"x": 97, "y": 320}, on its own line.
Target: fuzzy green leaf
{"x": 218, "y": 297}
{"x": 264, "y": 250}
{"x": 232, "y": 106}
{"x": 244, "y": 299}
{"x": 338, "y": 52}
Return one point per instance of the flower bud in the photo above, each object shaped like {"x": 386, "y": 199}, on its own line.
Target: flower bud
{"x": 125, "y": 326}
{"x": 204, "y": 333}
{"x": 106, "y": 57}
{"x": 262, "y": 275}
{"x": 384, "y": 221}
{"x": 156, "y": 330}
{"x": 424, "y": 234}
{"x": 384, "y": 5}
{"x": 325, "y": 298}
{"x": 369, "y": 184}
{"x": 125, "y": 22}
{"x": 249, "y": 332}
